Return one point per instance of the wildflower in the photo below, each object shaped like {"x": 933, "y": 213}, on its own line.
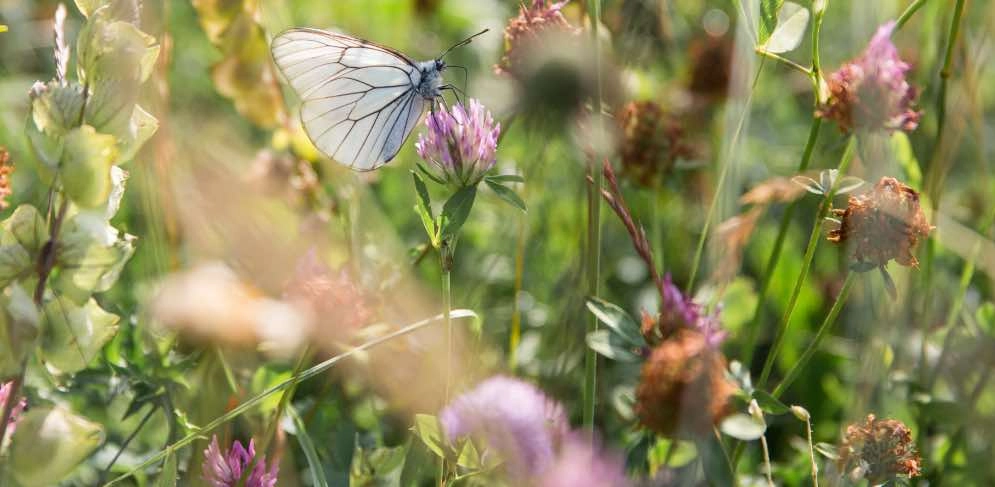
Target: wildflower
{"x": 225, "y": 469}
{"x": 683, "y": 390}
{"x": 515, "y": 419}
{"x": 883, "y": 224}
{"x": 338, "y": 306}
{"x": 871, "y": 92}
{"x": 651, "y": 142}
{"x": 6, "y": 168}
{"x": 879, "y": 450}
{"x": 461, "y": 143}
{"x": 523, "y": 32}
{"x": 15, "y": 411}
{"x": 581, "y": 464}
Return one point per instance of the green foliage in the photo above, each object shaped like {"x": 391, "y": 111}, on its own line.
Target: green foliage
{"x": 49, "y": 443}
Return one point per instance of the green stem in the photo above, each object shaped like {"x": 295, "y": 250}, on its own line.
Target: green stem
{"x": 593, "y": 233}
{"x": 907, "y": 14}
{"x": 127, "y": 441}
{"x": 447, "y": 305}
{"x": 515, "y": 335}
{"x": 293, "y": 380}
{"x": 720, "y": 185}
{"x": 813, "y": 346}
{"x": 813, "y": 242}
{"x": 775, "y": 255}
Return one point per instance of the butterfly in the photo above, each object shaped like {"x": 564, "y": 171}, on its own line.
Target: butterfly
{"x": 360, "y": 100}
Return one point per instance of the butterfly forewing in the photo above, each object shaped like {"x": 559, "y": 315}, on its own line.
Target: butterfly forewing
{"x": 359, "y": 99}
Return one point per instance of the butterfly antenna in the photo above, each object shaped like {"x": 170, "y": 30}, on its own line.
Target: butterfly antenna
{"x": 462, "y": 43}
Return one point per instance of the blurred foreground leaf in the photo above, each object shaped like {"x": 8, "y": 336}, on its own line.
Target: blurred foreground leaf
{"x": 49, "y": 443}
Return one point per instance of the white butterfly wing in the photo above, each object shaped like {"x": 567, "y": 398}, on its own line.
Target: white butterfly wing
{"x": 359, "y": 99}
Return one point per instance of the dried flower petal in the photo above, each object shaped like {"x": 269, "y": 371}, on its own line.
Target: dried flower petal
{"x": 879, "y": 450}
{"x": 871, "y": 92}
{"x": 683, "y": 390}
{"x": 883, "y": 224}
{"x": 651, "y": 142}
{"x": 461, "y": 144}
{"x": 225, "y": 469}
{"x": 523, "y": 32}
{"x": 515, "y": 419}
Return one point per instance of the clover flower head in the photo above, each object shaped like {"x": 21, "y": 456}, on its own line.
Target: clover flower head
{"x": 522, "y": 32}
{"x": 677, "y": 312}
{"x": 879, "y": 450}
{"x": 651, "y": 142}
{"x": 461, "y": 144}
{"x": 871, "y": 92}
{"x": 225, "y": 469}
{"x": 514, "y": 418}
{"x": 885, "y": 223}
{"x": 683, "y": 390}
{"x": 581, "y": 463}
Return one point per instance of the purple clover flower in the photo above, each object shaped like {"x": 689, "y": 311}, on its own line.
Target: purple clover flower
{"x": 461, "y": 144}
{"x": 680, "y": 311}
{"x": 516, "y": 420}
{"x": 582, "y": 464}
{"x": 226, "y": 469}
{"x": 871, "y": 92}
{"x": 17, "y": 408}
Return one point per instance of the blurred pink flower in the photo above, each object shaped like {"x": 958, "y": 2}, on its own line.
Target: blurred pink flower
{"x": 515, "y": 419}
{"x": 678, "y": 311}
{"x": 461, "y": 144}
{"x": 226, "y": 470}
{"x": 582, "y": 464}
{"x": 871, "y": 92}
{"x": 17, "y": 408}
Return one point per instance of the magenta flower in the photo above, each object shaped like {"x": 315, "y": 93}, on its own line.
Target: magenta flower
{"x": 461, "y": 144}
{"x": 679, "y": 311}
{"x": 581, "y": 464}
{"x": 15, "y": 412}
{"x": 226, "y": 470}
{"x": 871, "y": 92}
{"x": 515, "y": 419}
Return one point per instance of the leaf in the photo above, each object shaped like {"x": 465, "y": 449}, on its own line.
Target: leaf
{"x": 505, "y": 178}
{"x": 611, "y": 346}
{"x": 73, "y": 335}
{"x": 457, "y": 210}
{"x": 617, "y": 320}
{"x": 507, "y": 194}
{"x": 86, "y": 166}
{"x": 714, "y": 461}
{"x": 985, "y": 315}
{"x": 55, "y": 108}
{"x": 49, "y": 443}
{"x": 93, "y": 253}
{"x": 19, "y": 322}
{"x": 792, "y": 20}
{"x": 167, "y": 476}
{"x": 424, "y": 210}
{"x": 307, "y": 446}
{"x": 469, "y": 457}
{"x": 770, "y": 404}
{"x": 429, "y": 174}
{"x": 768, "y": 19}
{"x": 809, "y": 184}
{"x": 109, "y": 49}
{"x": 428, "y": 429}
{"x": 742, "y": 427}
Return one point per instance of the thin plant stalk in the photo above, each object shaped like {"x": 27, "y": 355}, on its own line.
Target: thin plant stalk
{"x": 767, "y": 469}
{"x": 775, "y": 255}
{"x": 515, "y": 335}
{"x": 720, "y": 184}
{"x": 811, "y": 450}
{"x": 593, "y": 232}
{"x": 813, "y": 346}
{"x": 908, "y": 13}
{"x": 813, "y": 242}
{"x": 293, "y": 380}
{"x": 124, "y": 446}
{"x": 447, "y": 305}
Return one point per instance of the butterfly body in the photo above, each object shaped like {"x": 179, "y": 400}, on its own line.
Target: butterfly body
{"x": 430, "y": 85}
